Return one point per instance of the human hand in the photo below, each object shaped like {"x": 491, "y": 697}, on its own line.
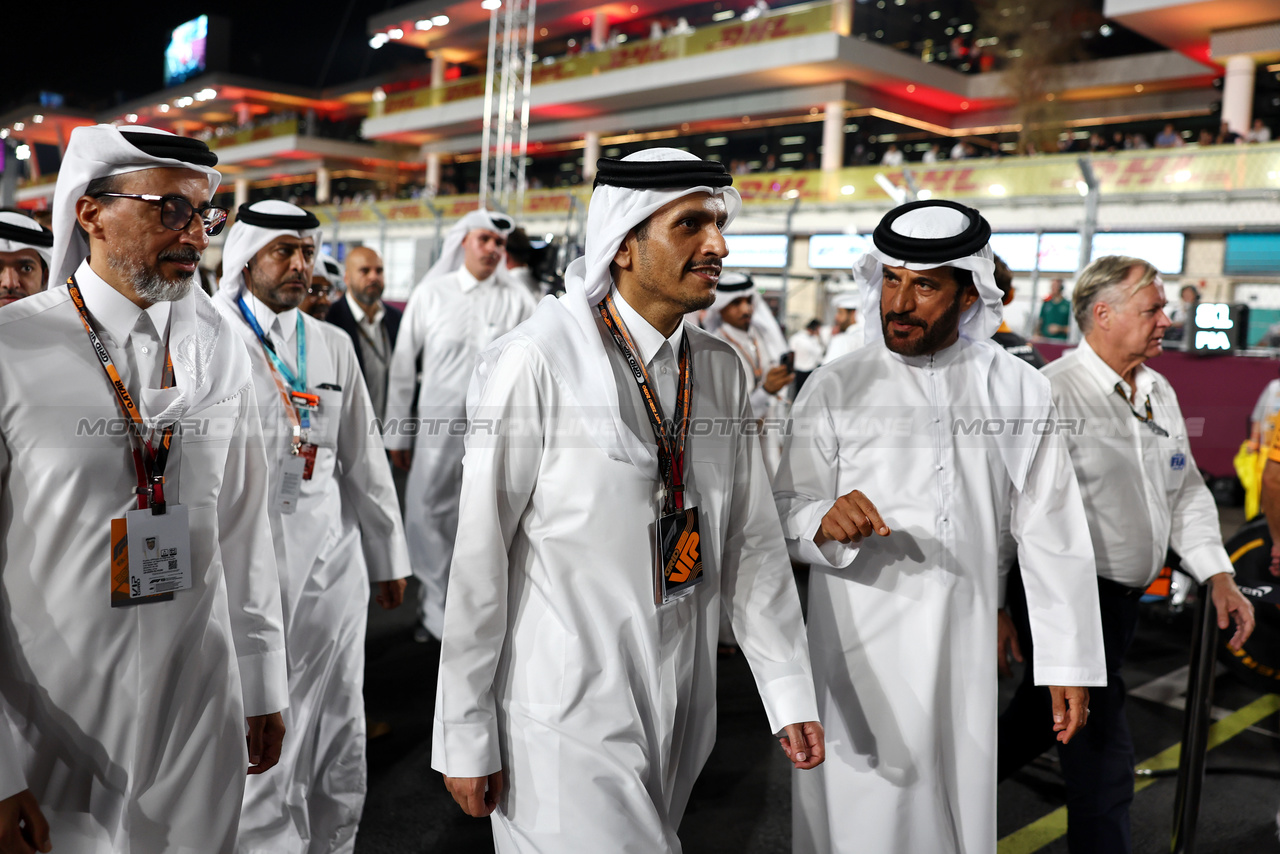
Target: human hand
{"x": 23, "y": 829}
{"x": 402, "y": 459}
{"x": 478, "y": 796}
{"x": 778, "y": 378}
{"x": 265, "y": 737}
{"x": 851, "y": 518}
{"x": 1070, "y": 710}
{"x": 1006, "y": 642}
{"x": 804, "y": 744}
{"x": 1230, "y": 604}
{"x": 391, "y": 593}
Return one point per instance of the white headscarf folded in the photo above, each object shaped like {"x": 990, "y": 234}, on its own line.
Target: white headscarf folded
{"x": 931, "y": 222}
{"x": 762, "y": 319}
{"x": 330, "y": 270}
{"x": 565, "y": 329}
{"x": 245, "y": 240}
{"x": 101, "y": 151}
{"x": 847, "y": 300}
{"x": 452, "y": 254}
{"x": 12, "y": 224}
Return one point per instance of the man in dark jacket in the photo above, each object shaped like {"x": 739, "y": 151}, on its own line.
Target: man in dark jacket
{"x": 371, "y": 323}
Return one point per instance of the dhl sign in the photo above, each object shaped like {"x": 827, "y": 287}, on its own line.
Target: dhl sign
{"x": 783, "y": 25}
{"x": 247, "y": 135}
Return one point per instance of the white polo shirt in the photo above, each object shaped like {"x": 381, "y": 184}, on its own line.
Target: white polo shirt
{"x": 1142, "y": 491}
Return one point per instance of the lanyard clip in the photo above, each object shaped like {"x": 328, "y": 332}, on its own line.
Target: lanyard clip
{"x": 155, "y": 495}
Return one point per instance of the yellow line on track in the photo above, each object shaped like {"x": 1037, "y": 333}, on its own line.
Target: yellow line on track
{"x": 1044, "y": 830}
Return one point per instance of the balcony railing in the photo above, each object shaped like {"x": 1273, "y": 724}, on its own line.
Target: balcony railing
{"x": 1223, "y": 169}
{"x": 783, "y": 24}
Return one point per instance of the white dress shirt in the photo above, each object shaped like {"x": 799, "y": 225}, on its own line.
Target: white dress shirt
{"x": 1142, "y": 491}
{"x": 658, "y": 354}
{"x": 134, "y": 336}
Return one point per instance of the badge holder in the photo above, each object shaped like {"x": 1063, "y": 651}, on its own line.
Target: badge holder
{"x": 678, "y": 555}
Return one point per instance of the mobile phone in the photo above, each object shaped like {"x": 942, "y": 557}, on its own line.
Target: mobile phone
{"x": 789, "y": 360}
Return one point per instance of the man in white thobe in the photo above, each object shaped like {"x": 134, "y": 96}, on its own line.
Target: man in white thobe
{"x": 337, "y": 528}
{"x": 1142, "y": 493}
{"x": 458, "y": 309}
{"x": 741, "y": 317}
{"x": 848, "y": 335}
{"x": 902, "y": 458}
{"x": 124, "y": 718}
{"x": 25, "y": 251}
{"x": 576, "y": 702}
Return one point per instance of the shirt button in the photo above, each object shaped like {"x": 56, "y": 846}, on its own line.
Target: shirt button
{"x": 939, "y": 468}
{"x": 146, "y": 349}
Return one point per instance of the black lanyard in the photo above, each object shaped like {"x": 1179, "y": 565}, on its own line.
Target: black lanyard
{"x": 1149, "y": 420}
{"x": 670, "y": 435}
{"x": 149, "y": 462}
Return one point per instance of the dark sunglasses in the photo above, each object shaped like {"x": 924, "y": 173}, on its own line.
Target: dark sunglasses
{"x": 176, "y": 212}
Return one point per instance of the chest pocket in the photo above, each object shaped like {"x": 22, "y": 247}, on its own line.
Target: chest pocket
{"x": 326, "y": 419}
{"x": 202, "y": 447}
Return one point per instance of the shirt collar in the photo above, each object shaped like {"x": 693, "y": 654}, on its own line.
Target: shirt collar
{"x": 281, "y": 327}
{"x": 115, "y": 312}
{"x": 647, "y": 339}
{"x": 357, "y": 310}
{"x": 466, "y": 281}
{"x": 1106, "y": 378}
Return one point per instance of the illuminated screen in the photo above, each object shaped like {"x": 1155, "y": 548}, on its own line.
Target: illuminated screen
{"x": 1162, "y": 249}
{"x": 836, "y": 251}
{"x": 1213, "y": 327}
{"x": 756, "y": 251}
{"x": 1060, "y": 251}
{"x": 1017, "y": 250}
{"x": 185, "y": 57}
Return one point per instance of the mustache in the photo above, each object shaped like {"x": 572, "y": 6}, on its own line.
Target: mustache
{"x": 704, "y": 265}
{"x": 185, "y": 255}
{"x": 904, "y": 317}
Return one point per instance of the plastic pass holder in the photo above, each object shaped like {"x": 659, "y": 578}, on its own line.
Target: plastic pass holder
{"x": 678, "y": 555}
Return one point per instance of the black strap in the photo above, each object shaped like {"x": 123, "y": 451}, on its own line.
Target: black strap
{"x": 184, "y": 148}
{"x": 932, "y": 250}
{"x": 661, "y": 174}
{"x": 283, "y": 222}
{"x": 39, "y": 236}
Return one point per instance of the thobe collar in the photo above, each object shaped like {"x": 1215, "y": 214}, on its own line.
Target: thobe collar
{"x": 115, "y": 313}
{"x": 648, "y": 340}
{"x": 942, "y": 358}
{"x": 743, "y": 339}
{"x": 281, "y": 327}
{"x": 357, "y": 310}
{"x": 1106, "y": 378}
{"x": 467, "y": 282}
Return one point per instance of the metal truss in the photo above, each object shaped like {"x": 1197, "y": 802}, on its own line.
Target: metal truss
{"x": 506, "y": 104}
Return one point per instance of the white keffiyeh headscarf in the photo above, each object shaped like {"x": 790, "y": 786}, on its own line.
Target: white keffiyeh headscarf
{"x": 102, "y": 151}
{"x": 19, "y": 231}
{"x": 735, "y": 286}
{"x": 256, "y": 225}
{"x": 452, "y": 254}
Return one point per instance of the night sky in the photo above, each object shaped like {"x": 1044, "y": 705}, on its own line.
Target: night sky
{"x": 101, "y": 54}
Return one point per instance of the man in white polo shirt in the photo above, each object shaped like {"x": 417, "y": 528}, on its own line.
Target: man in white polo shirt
{"x": 1142, "y": 493}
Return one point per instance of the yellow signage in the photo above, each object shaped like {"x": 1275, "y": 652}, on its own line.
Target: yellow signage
{"x": 255, "y": 134}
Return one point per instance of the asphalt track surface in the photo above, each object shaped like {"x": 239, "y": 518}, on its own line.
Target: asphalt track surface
{"x": 742, "y": 802}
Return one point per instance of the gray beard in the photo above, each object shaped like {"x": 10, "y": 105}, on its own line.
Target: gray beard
{"x": 150, "y": 285}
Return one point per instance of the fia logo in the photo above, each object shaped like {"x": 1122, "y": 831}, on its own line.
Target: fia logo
{"x": 1178, "y": 462}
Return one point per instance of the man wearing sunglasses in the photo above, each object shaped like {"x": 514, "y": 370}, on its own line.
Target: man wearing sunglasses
{"x": 459, "y": 308}
{"x": 1142, "y": 493}
{"x": 143, "y": 645}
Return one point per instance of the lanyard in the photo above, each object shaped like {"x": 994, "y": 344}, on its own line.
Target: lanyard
{"x": 299, "y": 416}
{"x": 754, "y": 361}
{"x": 1149, "y": 419}
{"x": 148, "y": 461}
{"x": 670, "y": 436}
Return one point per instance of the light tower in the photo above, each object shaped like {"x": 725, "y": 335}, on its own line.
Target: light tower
{"x": 506, "y": 104}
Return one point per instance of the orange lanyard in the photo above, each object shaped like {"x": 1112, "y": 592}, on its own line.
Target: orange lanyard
{"x": 149, "y": 462}
{"x": 671, "y": 436}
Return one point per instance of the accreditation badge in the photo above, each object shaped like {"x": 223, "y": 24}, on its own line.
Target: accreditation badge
{"x": 150, "y": 556}
{"x": 292, "y": 473}
{"x": 678, "y": 552}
